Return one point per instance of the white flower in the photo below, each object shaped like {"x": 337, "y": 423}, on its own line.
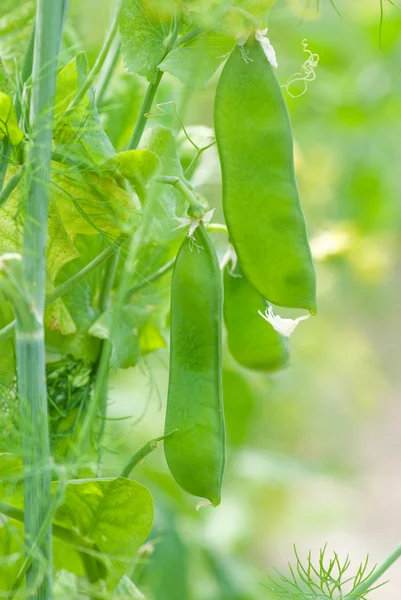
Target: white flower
{"x": 260, "y": 35}
{"x": 194, "y": 223}
{"x": 284, "y": 327}
{"x": 229, "y": 257}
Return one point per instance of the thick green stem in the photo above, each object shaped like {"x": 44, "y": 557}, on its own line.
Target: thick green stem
{"x": 30, "y": 332}
{"x": 151, "y": 93}
{"x": 145, "y": 109}
{"x": 360, "y": 591}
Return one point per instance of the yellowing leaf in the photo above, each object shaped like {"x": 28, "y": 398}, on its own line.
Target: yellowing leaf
{"x": 60, "y": 249}
{"x": 59, "y": 319}
{"x": 8, "y": 121}
{"x": 151, "y": 339}
{"x": 91, "y": 203}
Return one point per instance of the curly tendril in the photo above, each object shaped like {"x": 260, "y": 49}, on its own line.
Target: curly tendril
{"x": 306, "y": 74}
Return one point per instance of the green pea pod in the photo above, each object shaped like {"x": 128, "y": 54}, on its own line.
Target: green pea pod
{"x": 195, "y": 453}
{"x": 252, "y": 341}
{"x": 260, "y": 194}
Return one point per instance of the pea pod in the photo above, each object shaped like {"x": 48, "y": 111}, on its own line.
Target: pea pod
{"x": 195, "y": 453}
{"x": 252, "y": 342}
{"x": 260, "y": 194}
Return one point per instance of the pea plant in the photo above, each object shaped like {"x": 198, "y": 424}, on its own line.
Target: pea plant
{"x": 107, "y": 248}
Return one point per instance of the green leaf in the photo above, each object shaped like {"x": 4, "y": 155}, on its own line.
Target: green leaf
{"x": 125, "y": 343}
{"x": 257, "y": 8}
{"x": 115, "y": 514}
{"x": 79, "y": 129}
{"x": 121, "y": 107}
{"x": 16, "y": 20}
{"x": 137, "y": 166}
{"x": 112, "y": 516}
{"x": 127, "y": 589}
{"x": 11, "y": 556}
{"x": 161, "y": 141}
{"x": 134, "y": 165}
{"x": 196, "y": 62}
{"x": 145, "y": 26}
{"x": 10, "y": 465}
{"x": 163, "y": 238}
{"x": 8, "y": 121}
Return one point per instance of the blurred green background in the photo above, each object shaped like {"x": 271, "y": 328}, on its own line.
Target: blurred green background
{"x": 314, "y": 451}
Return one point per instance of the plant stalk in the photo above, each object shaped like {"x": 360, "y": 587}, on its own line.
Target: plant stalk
{"x": 142, "y": 453}
{"x": 30, "y": 343}
{"x": 108, "y": 70}
{"x": 94, "y": 72}
{"x": 151, "y": 278}
{"x": 367, "y": 585}
{"x": 151, "y": 92}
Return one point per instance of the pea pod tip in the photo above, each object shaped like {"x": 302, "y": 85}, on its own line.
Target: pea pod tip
{"x": 205, "y": 503}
